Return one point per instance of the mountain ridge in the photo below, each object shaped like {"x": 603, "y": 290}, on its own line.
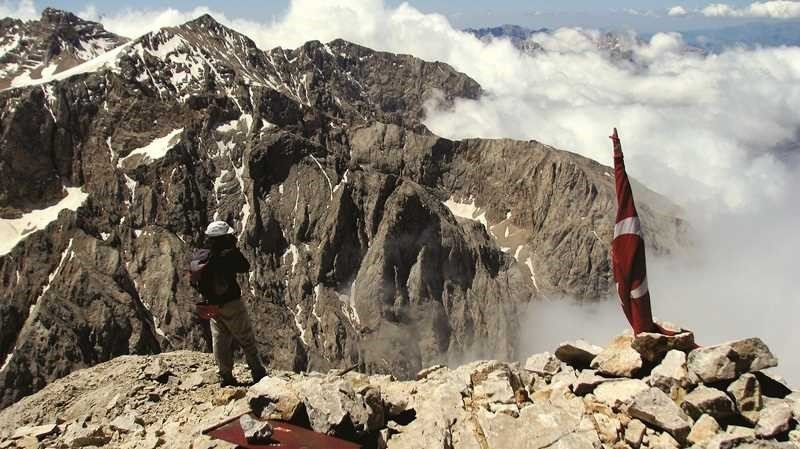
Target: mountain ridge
{"x": 365, "y": 230}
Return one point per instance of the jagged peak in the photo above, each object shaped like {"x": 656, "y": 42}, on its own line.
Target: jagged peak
{"x": 205, "y": 21}
{"x": 56, "y": 16}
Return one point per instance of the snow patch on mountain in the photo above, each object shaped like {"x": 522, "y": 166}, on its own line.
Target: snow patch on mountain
{"x": 14, "y": 230}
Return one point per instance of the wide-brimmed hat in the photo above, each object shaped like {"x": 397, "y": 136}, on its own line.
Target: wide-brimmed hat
{"x": 218, "y": 229}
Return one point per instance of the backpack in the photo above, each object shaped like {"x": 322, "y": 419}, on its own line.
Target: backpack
{"x": 208, "y": 282}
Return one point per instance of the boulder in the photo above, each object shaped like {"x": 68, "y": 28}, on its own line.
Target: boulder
{"x": 544, "y": 364}
{"x": 746, "y": 394}
{"x": 653, "y": 346}
{"x": 634, "y": 433}
{"x": 672, "y": 374}
{"x": 157, "y": 371}
{"x": 774, "y": 420}
{"x": 728, "y": 360}
{"x": 275, "y": 396}
{"x": 587, "y": 381}
{"x": 578, "y": 354}
{"x": 621, "y": 392}
{"x": 727, "y": 440}
{"x": 654, "y": 407}
{"x": 712, "y": 364}
{"x": 707, "y": 400}
{"x": 495, "y": 386}
{"x": 618, "y": 359}
{"x": 255, "y": 431}
{"x": 703, "y": 430}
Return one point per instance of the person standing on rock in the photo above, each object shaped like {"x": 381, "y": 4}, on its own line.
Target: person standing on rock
{"x": 213, "y": 273}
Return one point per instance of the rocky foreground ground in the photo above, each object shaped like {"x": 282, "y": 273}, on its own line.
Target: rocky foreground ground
{"x": 650, "y": 391}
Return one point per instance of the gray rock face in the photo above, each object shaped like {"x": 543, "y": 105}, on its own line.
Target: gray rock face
{"x": 654, "y": 407}
{"x": 746, "y": 394}
{"x": 728, "y": 360}
{"x": 710, "y": 401}
{"x": 341, "y": 200}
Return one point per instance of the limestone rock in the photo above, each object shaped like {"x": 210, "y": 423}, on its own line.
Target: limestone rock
{"x": 726, "y": 361}
{"x": 634, "y": 433}
{"x": 91, "y": 435}
{"x": 587, "y": 381}
{"x": 746, "y": 394}
{"x": 618, "y": 359}
{"x": 198, "y": 379}
{"x": 227, "y": 395}
{"x": 653, "y": 346}
{"x": 703, "y": 430}
{"x": 35, "y": 431}
{"x": 255, "y": 431}
{"x": 498, "y": 385}
{"x": 663, "y": 441}
{"x": 619, "y": 392}
{"x": 774, "y": 420}
{"x": 654, "y": 407}
{"x": 707, "y": 400}
{"x": 608, "y": 428}
{"x": 578, "y": 354}
{"x": 276, "y": 392}
{"x": 127, "y": 423}
{"x": 671, "y": 374}
{"x": 423, "y": 374}
{"x": 545, "y": 364}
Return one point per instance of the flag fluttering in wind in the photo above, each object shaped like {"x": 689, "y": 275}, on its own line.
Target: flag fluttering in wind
{"x": 627, "y": 252}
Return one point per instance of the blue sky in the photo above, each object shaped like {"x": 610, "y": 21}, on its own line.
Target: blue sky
{"x": 642, "y": 15}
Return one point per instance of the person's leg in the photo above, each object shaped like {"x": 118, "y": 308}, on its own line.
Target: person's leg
{"x": 242, "y": 330}
{"x": 222, "y": 340}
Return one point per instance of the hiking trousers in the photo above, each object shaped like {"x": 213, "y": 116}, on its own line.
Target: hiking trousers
{"x": 233, "y": 323}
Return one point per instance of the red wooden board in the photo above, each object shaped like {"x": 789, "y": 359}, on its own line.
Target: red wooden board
{"x": 285, "y": 436}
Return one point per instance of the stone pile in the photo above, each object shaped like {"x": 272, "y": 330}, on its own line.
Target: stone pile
{"x": 643, "y": 392}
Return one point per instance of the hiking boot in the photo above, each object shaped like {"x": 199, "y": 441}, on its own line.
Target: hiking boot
{"x": 227, "y": 380}
{"x": 258, "y": 374}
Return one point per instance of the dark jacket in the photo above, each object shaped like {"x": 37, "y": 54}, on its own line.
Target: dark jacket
{"x": 224, "y": 261}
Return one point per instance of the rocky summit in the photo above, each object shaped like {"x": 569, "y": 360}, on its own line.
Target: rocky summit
{"x": 168, "y": 400}
{"x": 373, "y": 242}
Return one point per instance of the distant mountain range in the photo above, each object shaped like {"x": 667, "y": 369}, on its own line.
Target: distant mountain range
{"x": 750, "y": 35}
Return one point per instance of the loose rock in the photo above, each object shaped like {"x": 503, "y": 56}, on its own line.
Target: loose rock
{"x": 255, "y": 431}
{"x": 578, "y": 354}
{"x": 620, "y": 392}
{"x": 634, "y": 433}
{"x": 653, "y": 346}
{"x": 545, "y": 364}
{"x": 746, "y": 394}
{"x": 671, "y": 375}
{"x": 618, "y": 359}
{"x": 706, "y": 400}
{"x": 654, "y": 407}
{"x": 774, "y": 420}
{"x": 703, "y": 430}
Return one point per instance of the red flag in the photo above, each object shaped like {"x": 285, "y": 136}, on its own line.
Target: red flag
{"x": 627, "y": 252}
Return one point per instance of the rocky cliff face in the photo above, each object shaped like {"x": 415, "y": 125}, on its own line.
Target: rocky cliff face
{"x": 372, "y": 241}
{"x": 645, "y": 392}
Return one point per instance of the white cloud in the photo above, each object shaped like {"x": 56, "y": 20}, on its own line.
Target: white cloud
{"x": 774, "y": 9}
{"x": 21, "y": 9}
{"x": 677, "y": 11}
